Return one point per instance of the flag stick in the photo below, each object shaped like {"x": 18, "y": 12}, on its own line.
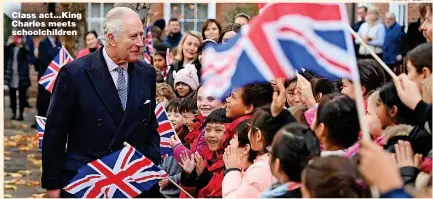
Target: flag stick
{"x": 360, "y": 108}
{"x": 175, "y": 184}
{"x": 384, "y": 66}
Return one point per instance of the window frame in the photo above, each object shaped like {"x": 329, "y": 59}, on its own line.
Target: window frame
{"x": 99, "y": 19}
{"x": 211, "y": 14}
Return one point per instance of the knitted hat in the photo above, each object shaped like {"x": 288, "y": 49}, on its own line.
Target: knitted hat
{"x": 187, "y": 75}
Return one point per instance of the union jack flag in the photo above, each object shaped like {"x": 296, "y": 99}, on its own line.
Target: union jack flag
{"x": 123, "y": 174}
{"x": 40, "y": 124}
{"x": 283, "y": 39}
{"x": 165, "y": 130}
{"x": 50, "y": 75}
{"x": 149, "y": 43}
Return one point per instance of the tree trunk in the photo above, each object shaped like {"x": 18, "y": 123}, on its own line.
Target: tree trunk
{"x": 73, "y": 43}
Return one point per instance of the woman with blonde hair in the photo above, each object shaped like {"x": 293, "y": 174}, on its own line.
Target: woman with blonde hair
{"x": 372, "y": 33}
{"x": 186, "y": 54}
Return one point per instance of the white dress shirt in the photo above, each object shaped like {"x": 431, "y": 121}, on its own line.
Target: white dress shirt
{"x": 112, "y": 68}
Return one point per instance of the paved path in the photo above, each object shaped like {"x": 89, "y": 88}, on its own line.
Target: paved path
{"x": 22, "y": 165}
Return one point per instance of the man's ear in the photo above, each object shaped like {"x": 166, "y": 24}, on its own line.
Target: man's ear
{"x": 111, "y": 39}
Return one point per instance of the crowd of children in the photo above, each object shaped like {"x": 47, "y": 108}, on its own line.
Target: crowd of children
{"x": 299, "y": 137}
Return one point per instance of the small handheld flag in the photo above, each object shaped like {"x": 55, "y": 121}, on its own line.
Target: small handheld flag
{"x": 148, "y": 43}
{"x": 50, "y": 75}
{"x": 125, "y": 173}
{"x": 165, "y": 130}
{"x": 40, "y": 124}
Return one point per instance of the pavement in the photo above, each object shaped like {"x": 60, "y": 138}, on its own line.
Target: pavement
{"x": 22, "y": 163}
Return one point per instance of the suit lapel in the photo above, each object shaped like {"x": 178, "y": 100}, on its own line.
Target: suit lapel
{"x": 102, "y": 81}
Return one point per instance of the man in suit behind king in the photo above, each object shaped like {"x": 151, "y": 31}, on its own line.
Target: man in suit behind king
{"x": 99, "y": 102}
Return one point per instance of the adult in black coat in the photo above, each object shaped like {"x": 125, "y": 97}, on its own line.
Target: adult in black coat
{"x": 99, "y": 102}
{"x": 16, "y": 73}
{"x": 48, "y": 49}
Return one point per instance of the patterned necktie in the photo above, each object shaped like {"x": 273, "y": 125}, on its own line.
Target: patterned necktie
{"x": 121, "y": 87}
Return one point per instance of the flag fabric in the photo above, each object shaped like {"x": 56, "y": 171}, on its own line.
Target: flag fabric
{"x": 40, "y": 125}
{"x": 261, "y": 7}
{"x": 50, "y": 75}
{"x": 149, "y": 43}
{"x": 123, "y": 174}
{"x": 165, "y": 130}
{"x": 283, "y": 39}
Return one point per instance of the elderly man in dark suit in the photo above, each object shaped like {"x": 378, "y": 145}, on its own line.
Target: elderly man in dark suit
{"x": 99, "y": 102}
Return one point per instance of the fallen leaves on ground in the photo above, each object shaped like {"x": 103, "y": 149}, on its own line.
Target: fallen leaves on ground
{"x": 7, "y": 195}
{"x": 11, "y": 187}
{"x": 14, "y": 175}
{"x": 38, "y": 195}
{"x": 7, "y": 158}
{"x": 25, "y": 172}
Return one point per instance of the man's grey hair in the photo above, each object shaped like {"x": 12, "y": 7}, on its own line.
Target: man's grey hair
{"x": 113, "y": 22}
{"x": 390, "y": 14}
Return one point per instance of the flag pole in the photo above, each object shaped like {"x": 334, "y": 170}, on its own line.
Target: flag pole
{"x": 175, "y": 184}
{"x": 360, "y": 108}
{"x": 377, "y": 58}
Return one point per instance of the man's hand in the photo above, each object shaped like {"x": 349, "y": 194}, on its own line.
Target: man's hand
{"x": 55, "y": 193}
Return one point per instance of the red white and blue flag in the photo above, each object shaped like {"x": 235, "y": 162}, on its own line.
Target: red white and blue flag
{"x": 148, "y": 43}
{"x": 123, "y": 174}
{"x": 50, "y": 75}
{"x": 282, "y": 40}
{"x": 165, "y": 130}
{"x": 40, "y": 125}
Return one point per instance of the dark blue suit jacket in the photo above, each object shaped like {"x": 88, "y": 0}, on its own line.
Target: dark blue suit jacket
{"x": 86, "y": 114}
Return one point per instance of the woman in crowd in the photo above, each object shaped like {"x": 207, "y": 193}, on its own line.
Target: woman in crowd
{"x": 211, "y": 30}
{"x": 292, "y": 148}
{"x": 372, "y": 32}
{"x": 92, "y": 44}
{"x": 17, "y": 74}
{"x": 186, "y": 54}
{"x": 228, "y": 32}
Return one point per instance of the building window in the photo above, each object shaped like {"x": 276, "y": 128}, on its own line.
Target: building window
{"x": 401, "y": 13}
{"x": 191, "y": 15}
{"x": 95, "y": 16}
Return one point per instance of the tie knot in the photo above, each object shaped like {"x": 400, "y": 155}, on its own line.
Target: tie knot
{"x": 119, "y": 69}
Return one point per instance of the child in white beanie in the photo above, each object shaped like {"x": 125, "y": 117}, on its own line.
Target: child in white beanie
{"x": 186, "y": 80}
